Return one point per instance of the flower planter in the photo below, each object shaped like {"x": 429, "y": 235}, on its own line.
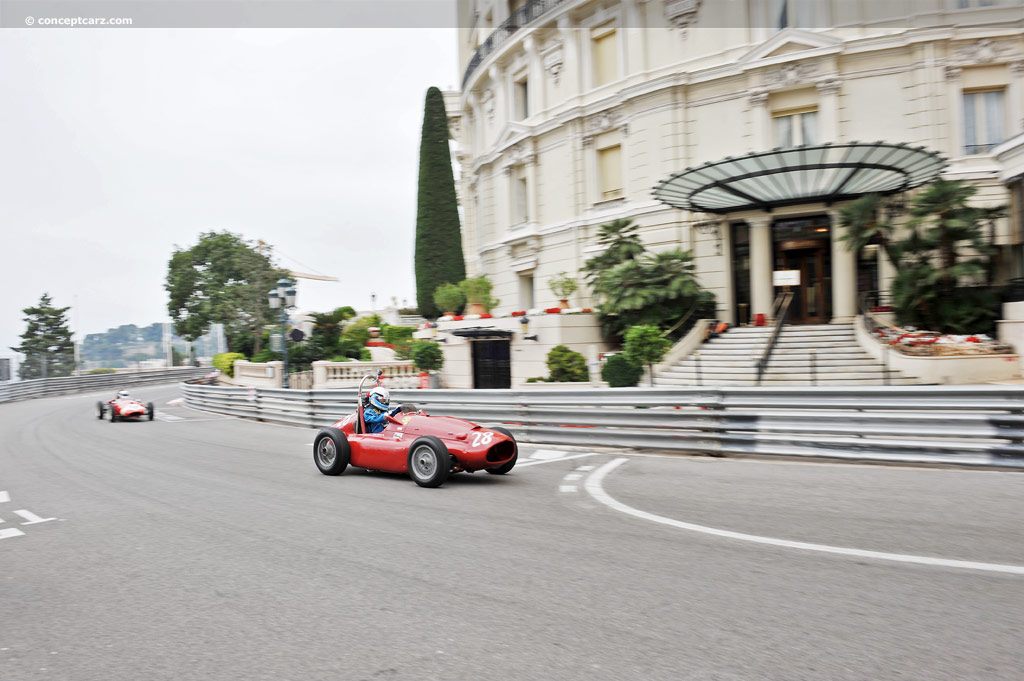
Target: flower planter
{"x": 476, "y": 308}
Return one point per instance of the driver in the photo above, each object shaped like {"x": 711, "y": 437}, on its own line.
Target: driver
{"x": 122, "y": 395}
{"x": 377, "y": 410}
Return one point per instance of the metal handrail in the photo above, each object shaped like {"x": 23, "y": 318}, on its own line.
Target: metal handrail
{"x": 780, "y": 310}
{"x": 528, "y": 13}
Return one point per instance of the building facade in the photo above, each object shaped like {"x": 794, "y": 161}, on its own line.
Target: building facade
{"x": 572, "y": 111}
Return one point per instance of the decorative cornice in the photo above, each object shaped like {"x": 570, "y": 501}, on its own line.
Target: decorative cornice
{"x": 682, "y": 13}
{"x": 554, "y": 60}
{"x": 829, "y": 86}
{"x": 758, "y": 98}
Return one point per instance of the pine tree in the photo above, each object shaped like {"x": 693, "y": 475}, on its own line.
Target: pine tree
{"x": 439, "y": 257}
{"x": 46, "y": 343}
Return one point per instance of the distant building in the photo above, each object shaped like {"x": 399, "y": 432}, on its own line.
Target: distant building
{"x": 572, "y": 111}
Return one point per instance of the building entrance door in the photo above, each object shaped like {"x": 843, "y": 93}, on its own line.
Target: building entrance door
{"x": 804, "y": 245}
{"x": 812, "y": 299}
{"x": 492, "y": 367}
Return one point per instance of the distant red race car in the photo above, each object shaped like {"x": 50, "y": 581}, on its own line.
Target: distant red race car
{"x": 124, "y": 408}
{"x": 428, "y": 448}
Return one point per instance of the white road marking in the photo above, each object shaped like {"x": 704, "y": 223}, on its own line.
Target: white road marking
{"x": 594, "y": 487}
{"x": 573, "y": 476}
{"x": 31, "y": 517}
{"x": 564, "y": 458}
{"x": 168, "y": 417}
{"x": 9, "y": 533}
{"x": 585, "y": 468}
{"x": 547, "y": 454}
{"x": 175, "y": 403}
{"x": 567, "y": 488}
{"x": 4, "y": 496}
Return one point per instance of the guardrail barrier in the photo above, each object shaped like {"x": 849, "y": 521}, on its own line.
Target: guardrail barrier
{"x": 976, "y": 425}
{"x": 45, "y": 387}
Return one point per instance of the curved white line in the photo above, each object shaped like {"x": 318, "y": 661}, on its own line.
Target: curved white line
{"x": 594, "y": 487}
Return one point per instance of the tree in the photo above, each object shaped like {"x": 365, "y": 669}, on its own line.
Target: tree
{"x": 221, "y": 279}
{"x": 46, "y": 343}
{"x": 622, "y": 243}
{"x": 426, "y": 355}
{"x": 645, "y": 345}
{"x": 439, "y": 256}
{"x": 565, "y": 365}
{"x": 940, "y": 262}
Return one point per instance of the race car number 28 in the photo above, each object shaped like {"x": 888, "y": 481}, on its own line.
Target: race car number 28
{"x": 482, "y": 438}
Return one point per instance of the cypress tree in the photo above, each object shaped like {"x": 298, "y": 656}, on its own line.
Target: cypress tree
{"x": 46, "y": 343}
{"x": 438, "y": 234}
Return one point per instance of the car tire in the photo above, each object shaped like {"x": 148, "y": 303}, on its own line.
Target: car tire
{"x": 149, "y": 408}
{"x": 429, "y": 461}
{"x": 113, "y": 414}
{"x": 511, "y": 463}
{"x": 331, "y": 452}
{"x": 99, "y": 407}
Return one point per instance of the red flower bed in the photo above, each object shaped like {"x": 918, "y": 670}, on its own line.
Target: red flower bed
{"x": 457, "y": 318}
{"x": 519, "y": 313}
{"x": 487, "y": 316}
{"x": 553, "y": 310}
{"x": 379, "y": 344}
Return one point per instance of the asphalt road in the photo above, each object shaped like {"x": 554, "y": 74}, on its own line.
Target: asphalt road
{"x": 201, "y": 547}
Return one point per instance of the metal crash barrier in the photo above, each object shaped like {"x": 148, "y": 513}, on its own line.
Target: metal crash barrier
{"x": 977, "y": 425}
{"x": 45, "y": 387}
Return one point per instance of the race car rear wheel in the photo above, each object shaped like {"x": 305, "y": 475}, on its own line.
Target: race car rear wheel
{"x": 429, "y": 461}
{"x": 331, "y": 451}
{"x": 99, "y": 407}
{"x": 510, "y": 464}
{"x": 149, "y": 408}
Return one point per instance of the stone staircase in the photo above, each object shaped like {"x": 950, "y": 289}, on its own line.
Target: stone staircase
{"x": 731, "y": 360}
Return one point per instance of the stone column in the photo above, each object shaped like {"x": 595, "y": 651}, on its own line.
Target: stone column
{"x": 535, "y": 76}
{"x": 1015, "y": 99}
{"x": 844, "y": 275}
{"x": 762, "y": 293}
{"x": 571, "y": 56}
{"x": 532, "y": 189}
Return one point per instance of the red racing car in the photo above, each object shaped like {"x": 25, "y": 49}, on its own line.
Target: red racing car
{"x": 428, "y": 448}
{"x": 123, "y": 408}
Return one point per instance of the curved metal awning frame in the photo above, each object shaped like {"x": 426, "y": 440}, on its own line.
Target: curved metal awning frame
{"x": 823, "y": 173}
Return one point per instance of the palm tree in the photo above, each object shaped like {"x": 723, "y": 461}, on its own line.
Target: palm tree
{"x": 622, "y": 242}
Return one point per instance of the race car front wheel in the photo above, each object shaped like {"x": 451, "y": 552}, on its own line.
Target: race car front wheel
{"x": 331, "y": 451}
{"x": 149, "y": 408}
{"x": 113, "y": 414}
{"x": 510, "y": 464}
{"x": 99, "y": 407}
{"x": 429, "y": 461}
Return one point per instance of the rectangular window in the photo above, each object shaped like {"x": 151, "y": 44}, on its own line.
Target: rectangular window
{"x": 964, "y": 4}
{"x": 794, "y": 129}
{"x": 606, "y": 57}
{"x": 522, "y": 201}
{"x": 610, "y": 167}
{"x": 522, "y": 99}
{"x": 526, "y": 292}
{"x": 983, "y": 121}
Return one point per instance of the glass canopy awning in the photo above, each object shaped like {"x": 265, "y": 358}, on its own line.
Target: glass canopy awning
{"x": 806, "y": 174}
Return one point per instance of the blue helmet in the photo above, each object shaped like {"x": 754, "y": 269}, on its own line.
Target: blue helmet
{"x": 380, "y": 398}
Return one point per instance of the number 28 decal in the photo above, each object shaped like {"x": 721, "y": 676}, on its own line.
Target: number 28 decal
{"x": 482, "y": 438}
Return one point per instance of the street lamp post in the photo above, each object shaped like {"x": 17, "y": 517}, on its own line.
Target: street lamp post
{"x": 283, "y": 297}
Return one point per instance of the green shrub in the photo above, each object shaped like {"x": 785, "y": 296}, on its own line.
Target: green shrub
{"x": 341, "y": 358}
{"x": 537, "y": 379}
{"x": 566, "y": 365}
{"x": 266, "y": 355}
{"x": 365, "y": 355}
{"x": 449, "y": 298}
{"x": 478, "y": 290}
{"x": 426, "y": 355}
{"x": 619, "y": 372}
{"x": 225, "y": 361}
{"x": 645, "y": 345}
{"x": 100, "y": 371}
{"x": 394, "y": 335}
{"x": 358, "y": 331}
{"x": 562, "y": 285}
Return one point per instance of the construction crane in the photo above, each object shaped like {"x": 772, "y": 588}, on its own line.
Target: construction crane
{"x": 261, "y": 246}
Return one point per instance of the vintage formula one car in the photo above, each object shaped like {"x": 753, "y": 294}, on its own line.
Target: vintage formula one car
{"x": 428, "y": 448}
{"x": 125, "y": 408}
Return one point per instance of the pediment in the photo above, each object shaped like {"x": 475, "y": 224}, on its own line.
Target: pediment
{"x": 511, "y": 133}
{"x": 789, "y": 42}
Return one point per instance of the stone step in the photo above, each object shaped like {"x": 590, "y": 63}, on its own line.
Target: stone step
{"x": 784, "y": 361}
{"x": 789, "y": 327}
{"x": 770, "y": 383}
{"x": 764, "y": 333}
{"x": 776, "y": 369}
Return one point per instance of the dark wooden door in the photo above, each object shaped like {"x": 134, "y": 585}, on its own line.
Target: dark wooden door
{"x": 812, "y": 300}
{"x": 492, "y": 367}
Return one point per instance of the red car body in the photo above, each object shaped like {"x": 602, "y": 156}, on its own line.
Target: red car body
{"x": 124, "y": 409}
{"x": 408, "y": 443}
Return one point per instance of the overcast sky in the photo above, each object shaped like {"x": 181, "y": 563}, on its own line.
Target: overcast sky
{"x": 117, "y": 145}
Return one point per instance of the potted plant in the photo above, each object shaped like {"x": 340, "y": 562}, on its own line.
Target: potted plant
{"x": 449, "y": 297}
{"x": 563, "y": 286}
{"x": 478, "y": 295}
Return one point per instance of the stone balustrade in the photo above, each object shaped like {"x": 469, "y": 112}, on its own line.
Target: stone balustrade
{"x": 397, "y": 374}
{"x": 257, "y": 374}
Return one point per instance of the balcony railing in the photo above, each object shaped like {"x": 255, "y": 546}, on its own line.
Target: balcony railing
{"x": 527, "y": 14}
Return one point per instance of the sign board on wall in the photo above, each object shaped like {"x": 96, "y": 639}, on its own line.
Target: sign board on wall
{"x": 786, "y": 278}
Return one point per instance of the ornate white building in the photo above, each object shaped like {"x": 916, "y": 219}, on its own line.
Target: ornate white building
{"x": 572, "y": 111}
